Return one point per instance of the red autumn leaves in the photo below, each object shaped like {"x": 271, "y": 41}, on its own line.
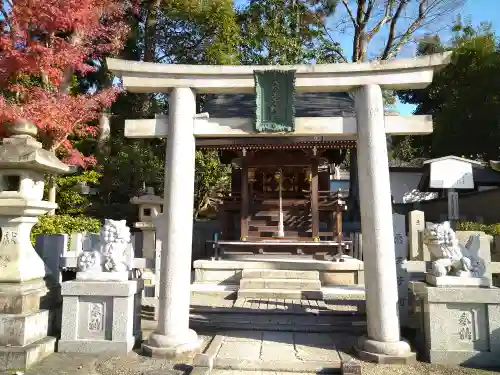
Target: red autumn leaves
{"x": 42, "y": 44}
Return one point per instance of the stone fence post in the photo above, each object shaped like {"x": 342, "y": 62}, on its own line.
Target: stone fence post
{"x": 51, "y": 247}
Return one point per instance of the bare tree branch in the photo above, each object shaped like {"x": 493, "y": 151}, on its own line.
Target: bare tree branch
{"x": 392, "y": 27}
{"x": 383, "y": 20}
{"x": 346, "y": 5}
{"x": 394, "y": 21}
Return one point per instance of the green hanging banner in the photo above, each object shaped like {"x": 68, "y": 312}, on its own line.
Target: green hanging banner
{"x": 275, "y": 99}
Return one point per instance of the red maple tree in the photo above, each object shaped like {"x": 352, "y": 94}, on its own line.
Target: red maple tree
{"x": 43, "y": 43}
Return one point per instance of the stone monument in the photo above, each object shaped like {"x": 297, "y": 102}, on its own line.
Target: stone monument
{"x": 457, "y": 312}
{"x": 416, "y": 225}
{"x": 29, "y": 296}
{"x": 401, "y": 249}
{"x": 101, "y": 308}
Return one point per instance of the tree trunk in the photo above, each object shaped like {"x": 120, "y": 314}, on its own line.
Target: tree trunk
{"x": 104, "y": 132}
{"x": 151, "y": 24}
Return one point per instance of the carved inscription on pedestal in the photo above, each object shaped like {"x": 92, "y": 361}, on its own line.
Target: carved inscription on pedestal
{"x": 466, "y": 326}
{"x": 4, "y": 260}
{"x": 96, "y": 317}
{"x": 9, "y": 237}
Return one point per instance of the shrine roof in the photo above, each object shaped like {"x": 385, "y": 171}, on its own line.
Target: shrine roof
{"x": 271, "y": 143}
{"x": 327, "y": 104}
{"x": 334, "y": 104}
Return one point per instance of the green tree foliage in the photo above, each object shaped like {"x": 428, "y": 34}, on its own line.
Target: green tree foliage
{"x": 174, "y": 31}
{"x": 491, "y": 229}
{"x": 212, "y": 181}
{"x": 194, "y": 32}
{"x": 286, "y": 32}
{"x": 130, "y": 167}
{"x": 463, "y": 99}
{"x": 66, "y": 224}
{"x": 71, "y": 199}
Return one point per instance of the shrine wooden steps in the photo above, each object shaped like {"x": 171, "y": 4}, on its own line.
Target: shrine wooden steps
{"x": 275, "y": 314}
{"x": 264, "y": 221}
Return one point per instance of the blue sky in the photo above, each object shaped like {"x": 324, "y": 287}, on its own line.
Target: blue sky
{"x": 476, "y": 11}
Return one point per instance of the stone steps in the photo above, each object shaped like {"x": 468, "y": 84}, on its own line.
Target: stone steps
{"x": 270, "y": 227}
{"x": 282, "y": 307}
{"x": 279, "y": 322}
{"x": 280, "y": 284}
{"x": 272, "y": 233}
{"x": 279, "y": 274}
{"x": 289, "y": 284}
{"x": 280, "y": 294}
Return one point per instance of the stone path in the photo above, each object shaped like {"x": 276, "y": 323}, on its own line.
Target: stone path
{"x": 277, "y": 351}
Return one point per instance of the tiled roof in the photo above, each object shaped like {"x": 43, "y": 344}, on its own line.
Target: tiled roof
{"x": 334, "y": 104}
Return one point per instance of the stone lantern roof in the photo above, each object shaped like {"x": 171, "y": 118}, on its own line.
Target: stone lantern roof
{"x": 148, "y": 198}
{"x": 22, "y": 151}
{"x": 150, "y": 206}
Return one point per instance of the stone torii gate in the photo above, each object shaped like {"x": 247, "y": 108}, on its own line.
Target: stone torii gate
{"x": 368, "y": 128}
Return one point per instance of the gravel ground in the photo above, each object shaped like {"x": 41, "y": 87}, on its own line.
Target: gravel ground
{"x": 135, "y": 364}
{"x": 131, "y": 364}
{"x": 420, "y": 368}
{"x": 371, "y": 369}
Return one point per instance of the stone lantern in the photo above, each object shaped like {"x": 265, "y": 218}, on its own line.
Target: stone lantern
{"x": 25, "y": 296}
{"x": 150, "y": 206}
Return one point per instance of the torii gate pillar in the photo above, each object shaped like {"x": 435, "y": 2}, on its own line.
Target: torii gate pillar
{"x": 175, "y": 226}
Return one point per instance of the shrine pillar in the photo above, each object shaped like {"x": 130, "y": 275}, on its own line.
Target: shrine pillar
{"x": 244, "y": 197}
{"x": 314, "y": 197}
{"x": 175, "y": 229}
{"x": 383, "y": 342}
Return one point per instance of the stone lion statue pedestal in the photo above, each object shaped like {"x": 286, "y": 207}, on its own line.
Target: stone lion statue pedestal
{"x": 102, "y": 307}
{"x": 456, "y": 310}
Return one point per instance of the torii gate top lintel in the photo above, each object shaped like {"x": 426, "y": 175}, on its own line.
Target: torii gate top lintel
{"x": 399, "y": 74}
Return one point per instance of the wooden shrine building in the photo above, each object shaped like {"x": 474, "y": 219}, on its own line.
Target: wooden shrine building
{"x": 297, "y": 169}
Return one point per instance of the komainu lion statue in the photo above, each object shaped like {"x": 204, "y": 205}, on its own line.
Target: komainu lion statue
{"x": 451, "y": 258}
{"x": 113, "y": 252}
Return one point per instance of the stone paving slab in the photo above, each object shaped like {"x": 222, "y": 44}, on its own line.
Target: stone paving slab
{"x": 275, "y": 351}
